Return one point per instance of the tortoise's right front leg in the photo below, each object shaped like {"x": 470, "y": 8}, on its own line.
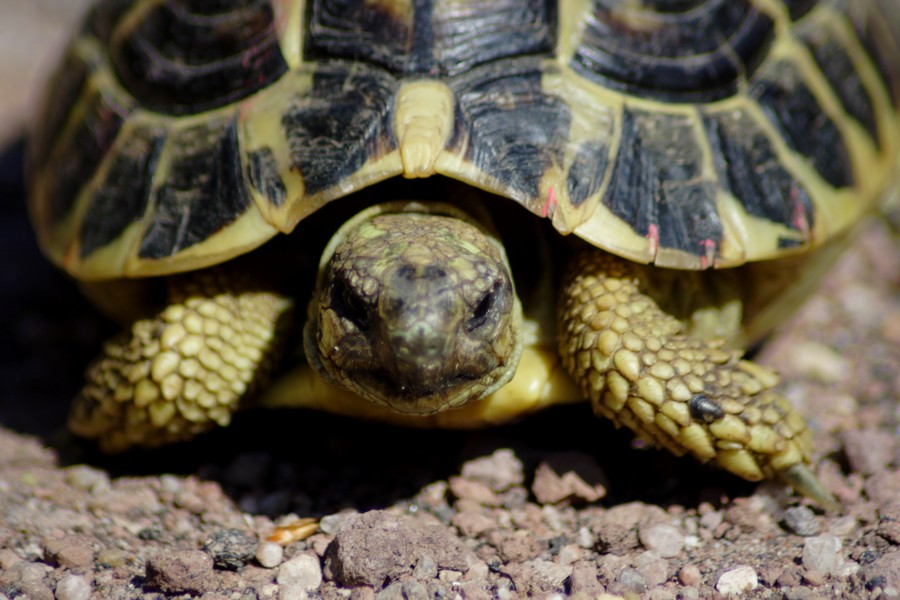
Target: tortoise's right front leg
{"x": 185, "y": 369}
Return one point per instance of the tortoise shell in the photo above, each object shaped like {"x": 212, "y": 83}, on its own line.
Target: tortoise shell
{"x": 177, "y": 134}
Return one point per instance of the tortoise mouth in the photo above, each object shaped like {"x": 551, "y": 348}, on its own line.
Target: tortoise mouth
{"x": 453, "y": 392}
{"x": 411, "y": 396}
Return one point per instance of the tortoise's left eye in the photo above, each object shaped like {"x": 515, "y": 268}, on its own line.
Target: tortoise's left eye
{"x": 489, "y": 307}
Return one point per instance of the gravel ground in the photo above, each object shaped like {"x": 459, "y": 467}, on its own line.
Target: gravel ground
{"x": 557, "y": 505}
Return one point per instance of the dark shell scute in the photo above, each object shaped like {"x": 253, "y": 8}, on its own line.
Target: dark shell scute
{"x": 181, "y": 62}
{"x": 203, "y": 192}
{"x": 878, "y": 27}
{"x": 656, "y": 184}
{"x": 487, "y": 32}
{"x": 122, "y": 197}
{"x": 685, "y": 52}
{"x": 514, "y": 130}
{"x": 341, "y": 122}
{"x": 264, "y": 177}
{"x": 81, "y": 151}
{"x": 842, "y": 75}
{"x": 429, "y": 39}
{"x": 795, "y": 111}
{"x": 798, "y": 8}
{"x": 588, "y": 170}
{"x": 749, "y": 169}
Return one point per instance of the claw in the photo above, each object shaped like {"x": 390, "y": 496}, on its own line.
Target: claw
{"x": 805, "y": 483}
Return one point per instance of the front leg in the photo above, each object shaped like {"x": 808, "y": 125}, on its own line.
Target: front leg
{"x": 684, "y": 393}
{"x": 188, "y": 367}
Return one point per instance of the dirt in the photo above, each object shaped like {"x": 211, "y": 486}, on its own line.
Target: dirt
{"x": 561, "y": 504}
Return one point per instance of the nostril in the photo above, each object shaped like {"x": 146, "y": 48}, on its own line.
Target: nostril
{"x": 417, "y": 341}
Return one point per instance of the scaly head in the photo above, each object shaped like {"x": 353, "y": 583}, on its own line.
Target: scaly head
{"x": 415, "y": 309}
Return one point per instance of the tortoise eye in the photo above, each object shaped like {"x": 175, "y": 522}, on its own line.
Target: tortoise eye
{"x": 480, "y": 314}
{"x": 488, "y": 307}
{"x": 348, "y": 304}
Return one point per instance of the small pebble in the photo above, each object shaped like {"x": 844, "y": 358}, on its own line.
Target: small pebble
{"x": 302, "y": 572}
{"x": 689, "y": 593}
{"x": 269, "y": 555}
{"x": 426, "y": 568}
{"x": 822, "y": 553}
{"x": 449, "y": 575}
{"x": 73, "y": 587}
{"x": 88, "y": 478}
{"x": 553, "y": 574}
{"x": 33, "y": 591}
{"x": 583, "y": 579}
{"x": 665, "y": 540}
{"x": 868, "y": 451}
{"x": 113, "y": 557}
{"x": 815, "y": 578}
{"x": 565, "y": 476}
{"x": 70, "y": 552}
{"x": 844, "y": 526}
{"x": 180, "y": 571}
{"x": 662, "y": 593}
{"x": 884, "y": 486}
{"x": 655, "y": 570}
{"x": 471, "y": 489}
{"x": 170, "y": 483}
{"x": 231, "y": 548}
{"x": 739, "y": 580}
{"x": 8, "y": 558}
{"x": 884, "y": 573}
{"x": 331, "y": 524}
{"x": 689, "y": 575}
{"x": 633, "y": 580}
{"x": 501, "y": 470}
{"x": 570, "y": 553}
{"x": 584, "y": 537}
{"x": 800, "y": 520}
{"x": 476, "y": 571}
{"x": 473, "y": 522}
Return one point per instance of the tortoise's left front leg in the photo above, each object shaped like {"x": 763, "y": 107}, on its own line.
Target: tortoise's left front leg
{"x": 687, "y": 394}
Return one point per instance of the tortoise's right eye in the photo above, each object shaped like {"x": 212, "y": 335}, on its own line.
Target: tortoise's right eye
{"x": 348, "y": 304}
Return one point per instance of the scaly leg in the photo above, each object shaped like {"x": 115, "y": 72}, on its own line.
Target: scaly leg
{"x": 185, "y": 369}
{"x": 683, "y": 393}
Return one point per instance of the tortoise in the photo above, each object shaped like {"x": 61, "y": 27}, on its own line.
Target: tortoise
{"x": 667, "y": 178}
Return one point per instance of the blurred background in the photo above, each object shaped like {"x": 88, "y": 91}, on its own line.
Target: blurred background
{"x": 31, "y": 34}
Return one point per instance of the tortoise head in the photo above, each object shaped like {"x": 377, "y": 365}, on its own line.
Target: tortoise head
{"x": 415, "y": 309}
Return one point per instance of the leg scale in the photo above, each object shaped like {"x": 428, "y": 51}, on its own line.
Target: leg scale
{"x": 185, "y": 369}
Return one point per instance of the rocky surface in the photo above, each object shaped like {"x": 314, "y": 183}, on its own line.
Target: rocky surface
{"x": 557, "y": 505}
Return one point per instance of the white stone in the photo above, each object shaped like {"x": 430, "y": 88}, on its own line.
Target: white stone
{"x": 269, "y": 555}
{"x": 666, "y": 540}
{"x": 823, "y": 553}
{"x": 73, "y": 587}
{"x": 737, "y": 581}
{"x": 303, "y": 572}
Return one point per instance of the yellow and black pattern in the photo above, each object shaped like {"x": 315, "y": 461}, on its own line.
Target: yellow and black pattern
{"x": 690, "y": 134}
